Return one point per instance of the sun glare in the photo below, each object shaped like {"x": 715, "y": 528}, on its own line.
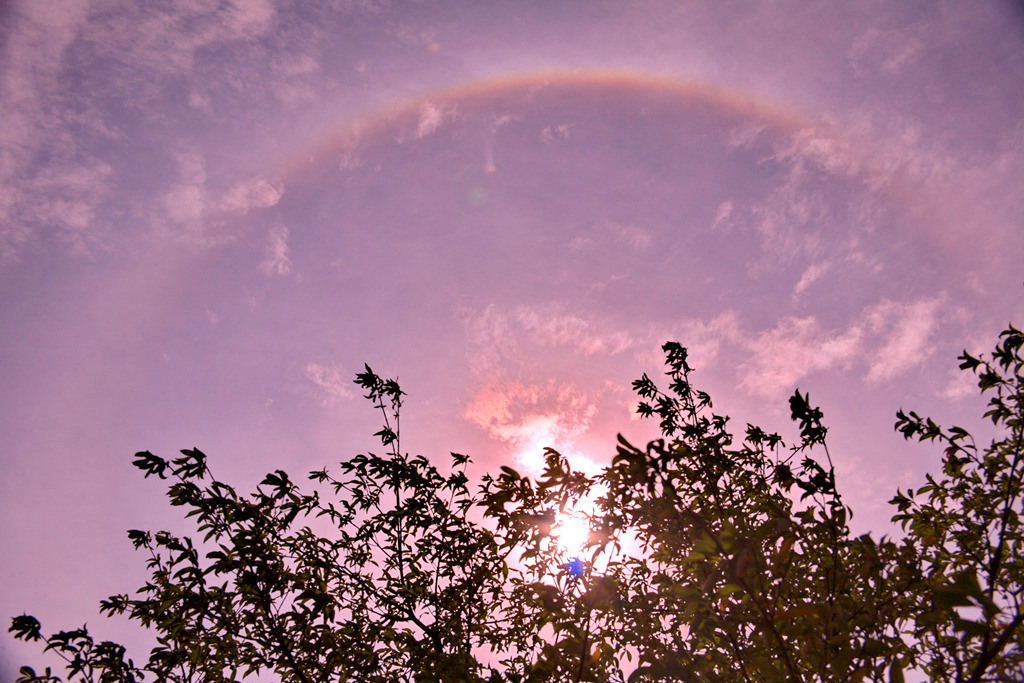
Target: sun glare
{"x": 571, "y": 533}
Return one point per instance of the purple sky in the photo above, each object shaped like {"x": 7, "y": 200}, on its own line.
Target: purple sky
{"x": 210, "y": 218}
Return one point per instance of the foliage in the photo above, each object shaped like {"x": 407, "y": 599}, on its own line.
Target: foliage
{"x": 729, "y": 576}
{"x": 964, "y": 533}
{"x": 389, "y": 581}
{"x": 710, "y": 557}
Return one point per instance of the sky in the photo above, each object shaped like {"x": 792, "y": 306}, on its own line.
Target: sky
{"x": 212, "y": 214}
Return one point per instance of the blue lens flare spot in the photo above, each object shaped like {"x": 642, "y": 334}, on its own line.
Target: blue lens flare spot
{"x": 574, "y": 566}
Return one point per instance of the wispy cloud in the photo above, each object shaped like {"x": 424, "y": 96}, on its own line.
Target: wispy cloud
{"x": 530, "y": 417}
{"x": 704, "y": 339}
{"x": 65, "y": 123}
{"x": 512, "y": 405}
{"x": 890, "y": 338}
{"x": 250, "y": 17}
{"x": 636, "y": 236}
{"x": 888, "y": 51}
{"x": 810, "y": 276}
{"x": 277, "y": 261}
{"x": 195, "y": 211}
{"x": 66, "y": 192}
{"x": 253, "y": 193}
{"x": 432, "y": 117}
{"x": 498, "y": 335}
{"x": 792, "y": 349}
{"x": 906, "y": 329}
{"x": 556, "y": 132}
{"x": 331, "y": 382}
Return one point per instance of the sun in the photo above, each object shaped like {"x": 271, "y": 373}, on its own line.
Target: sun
{"x": 570, "y": 533}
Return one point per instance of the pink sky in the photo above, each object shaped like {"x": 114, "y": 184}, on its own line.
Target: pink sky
{"x": 211, "y": 218}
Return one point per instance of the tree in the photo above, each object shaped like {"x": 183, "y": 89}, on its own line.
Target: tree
{"x": 730, "y": 576}
{"x": 390, "y": 580}
{"x": 709, "y": 557}
{"x": 964, "y": 535}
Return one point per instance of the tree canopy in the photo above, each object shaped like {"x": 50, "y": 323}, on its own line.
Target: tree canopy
{"x": 708, "y": 555}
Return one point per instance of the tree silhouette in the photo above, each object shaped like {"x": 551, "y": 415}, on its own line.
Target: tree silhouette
{"x": 710, "y": 557}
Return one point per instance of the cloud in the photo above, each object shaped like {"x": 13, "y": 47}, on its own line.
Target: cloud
{"x": 254, "y": 193}
{"x": 64, "y": 193}
{"x": 890, "y": 337}
{"x": 907, "y": 329}
{"x": 192, "y": 209}
{"x": 506, "y": 350}
{"x": 185, "y": 203}
{"x": 636, "y": 236}
{"x": 886, "y": 50}
{"x": 432, "y": 116}
{"x": 562, "y": 131}
{"x": 703, "y": 340}
{"x": 250, "y": 17}
{"x": 497, "y": 336}
{"x": 331, "y": 381}
{"x": 789, "y": 216}
{"x": 76, "y": 79}
{"x": 791, "y": 350}
{"x": 277, "y": 261}
{"x": 530, "y": 417}
{"x": 810, "y": 275}
{"x": 723, "y": 216}
{"x": 961, "y": 385}
{"x": 554, "y": 328}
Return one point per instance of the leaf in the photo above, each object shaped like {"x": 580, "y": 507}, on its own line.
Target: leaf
{"x": 970, "y": 629}
{"x": 150, "y": 464}
{"x": 786, "y": 549}
{"x": 728, "y": 589}
{"x": 25, "y": 628}
{"x": 794, "y": 613}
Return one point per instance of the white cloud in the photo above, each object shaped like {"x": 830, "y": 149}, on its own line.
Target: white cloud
{"x": 906, "y": 330}
{"x": 813, "y": 272}
{"x": 745, "y": 134}
{"x": 56, "y": 128}
{"x": 254, "y": 193}
{"x": 492, "y": 339}
{"x": 331, "y": 381}
{"x": 186, "y": 202}
{"x": 277, "y": 261}
{"x": 890, "y": 337}
{"x": 794, "y": 348}
{"x": 191, "y": 167}
{"x": 65, "y": 198}
{"x": 703, "y": 340}
{"x": 525, "y": 415}
{"x": 551, "y": 327}
{"x": 431, "y": 118}
{"x": 723, "y": 216}
{"x": 789, "y": 217}
{"x": 961, "y": 385}
{"x": 562, "y": 131}
{"x": 817, "y": 146}
{"x": 577, "y": 244}
{"x": 497, "y": 336}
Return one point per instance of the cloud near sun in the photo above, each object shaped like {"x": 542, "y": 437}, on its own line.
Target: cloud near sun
{"x": 885, "y": 341}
